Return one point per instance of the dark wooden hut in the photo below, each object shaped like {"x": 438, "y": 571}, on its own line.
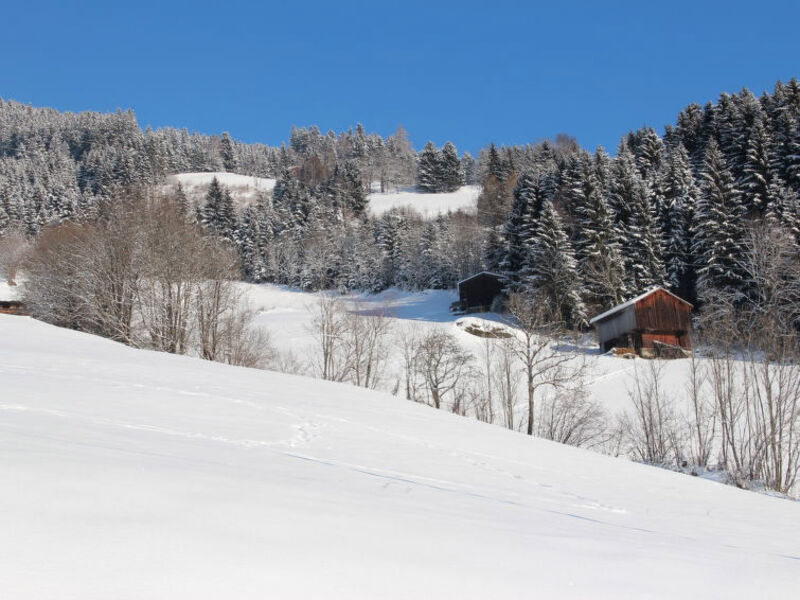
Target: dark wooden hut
{"x": 12, "y": 307}
{"x": 648, "y": 324}
{"x": 477, "y": 293}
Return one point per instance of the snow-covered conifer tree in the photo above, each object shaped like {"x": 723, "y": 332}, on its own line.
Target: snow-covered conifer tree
{"x": 218, "y": 214}
{"x": 598, "y": 249}
{"x": 429, "y": 169}
{"x": 227, "y": 153}
{"x": 551, "y": 269}
{"x": 719, "y": 229}
{"x": 757, "y": 172}
{"x": 451, "y": 173}
{"x": 680, "y": 198}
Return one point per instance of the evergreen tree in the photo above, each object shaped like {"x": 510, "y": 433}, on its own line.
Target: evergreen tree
{"x": 598, "y": 250}
{"x": 496, "y": 167}
{"x": 680, "y": 198}
{"x": 470, "y": 169}
{"x": 429, "y": 174}
{"x": 550, "y": 268}
{"x": 227, "y": 153}
{"x": 719, "y": 229}
{"x": 625, "y": 185}
{"x": 642, "y": 244}
{"x": 438, "y": 273}
{"x": 649, "y": 153}
{"x": 182, "y": 200}
{"x": 218, "y": 214}
{"x": 757, "y": 173}
{"x": 525, "y": 209}
{"x": 5, "y": 220}
{"x": 452, "y": 176}
{"x": 633, "y": 202}
{"x": 786, "y": 148}
{"x": 345, "y": 188}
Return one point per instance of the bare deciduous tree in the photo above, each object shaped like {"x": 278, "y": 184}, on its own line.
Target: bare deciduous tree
{"x": 653, "y": 430}
{"x": 702, "y": 421}
{"x": 570, "y": 416}
{"x": 543, "y": 365}
{"x": 13, "y": 249}
{"x": 328, "y": 328}
{"x": 441, "y": 363}
{"x": 366, "y": 346}
{"x": 506, "y": 379}
{"x": 141, "y": 274}
{"x": 407, "y": 341}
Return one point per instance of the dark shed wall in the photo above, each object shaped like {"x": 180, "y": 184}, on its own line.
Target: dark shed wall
{"x": 12, "y": 307}
{"x": 616, "y": 326}
{"x": 480, "y": 290}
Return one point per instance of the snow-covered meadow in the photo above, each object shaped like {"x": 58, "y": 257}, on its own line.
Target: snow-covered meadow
{"x": 136, "y": 474}
{"x": 428, "y": 205}
{"x": 246, "y": 189}
{"x": 287, "y": 313}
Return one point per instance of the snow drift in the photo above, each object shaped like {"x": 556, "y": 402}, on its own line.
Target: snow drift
{"x": 135, "y": 474}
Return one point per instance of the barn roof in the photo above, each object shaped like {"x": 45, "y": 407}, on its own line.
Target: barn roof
{"x": 8, "y": 292}
{"x": 479, "y": 274}
{"x": 631, "y": 302}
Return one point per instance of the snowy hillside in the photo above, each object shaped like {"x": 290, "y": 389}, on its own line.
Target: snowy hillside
{"x": 428, "y": 205}
{"x": 134, "y": 474}
{"x": 244, "y": 189}
{"x": 287, "y": 313}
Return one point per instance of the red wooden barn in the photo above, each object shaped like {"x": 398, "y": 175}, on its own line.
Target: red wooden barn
{"x": 646, "y": 324}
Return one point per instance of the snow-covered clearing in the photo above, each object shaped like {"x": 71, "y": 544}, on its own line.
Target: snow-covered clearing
{"x": 287, "y": 314}
{"x": 428, "y": 205}
{"x": 244, "y": 188}
{"x": 135, "y": 474}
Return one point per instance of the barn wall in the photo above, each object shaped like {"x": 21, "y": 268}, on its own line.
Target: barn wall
{"x": 661, "y": 312}
{"x": 619, "y": 324}
{"x": 479, "y": 291}
{"x": 649, "y": 339}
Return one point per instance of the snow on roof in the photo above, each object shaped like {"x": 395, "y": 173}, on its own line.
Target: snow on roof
{"x": 631, "y": 302}
{"x": 8, "y": 292}
{"x": 481, "y": 273}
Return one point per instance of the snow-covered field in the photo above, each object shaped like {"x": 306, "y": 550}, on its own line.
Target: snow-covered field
{"x": 428, "y": 205}
{"x": 287, "y": 313}
{"x": 244, "y": 188}
{"x": 135, "y": 474}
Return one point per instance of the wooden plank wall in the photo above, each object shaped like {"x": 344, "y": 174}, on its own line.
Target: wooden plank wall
{"x": 661, "y": 312}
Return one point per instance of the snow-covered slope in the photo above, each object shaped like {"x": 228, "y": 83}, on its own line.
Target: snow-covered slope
{"x": 244, "y": 188}
{"x": 287, "y": 314}
{"x": 134, "y": 474}
{"x": 428, "y": 205}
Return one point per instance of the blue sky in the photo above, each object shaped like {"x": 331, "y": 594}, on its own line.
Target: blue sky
{"x": 470, "y": 72}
